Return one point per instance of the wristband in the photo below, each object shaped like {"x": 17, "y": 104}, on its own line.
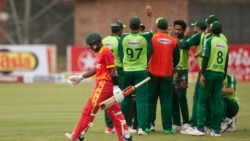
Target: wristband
{"x": 115, "y": 80}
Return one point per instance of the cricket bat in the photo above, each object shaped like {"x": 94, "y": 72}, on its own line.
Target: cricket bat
{"x": 126, "y": 92}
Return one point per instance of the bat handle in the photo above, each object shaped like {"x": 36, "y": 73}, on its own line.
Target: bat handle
{"x": 142, "y": 82}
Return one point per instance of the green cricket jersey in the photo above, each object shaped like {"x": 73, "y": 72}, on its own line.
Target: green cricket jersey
{"x": 208, "y": 35}
{"x": 135, "y": 51}
{"x": 112, "y": 41}
{"x": 196, "y": 40}
{"x": 230, "y": 82}
{"x": 184, "y": 55}
{"x": 216, "y": 49}
{"x": 148, "y": 36}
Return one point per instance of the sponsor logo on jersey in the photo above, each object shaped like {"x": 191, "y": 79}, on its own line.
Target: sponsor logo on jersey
{"x": 220, "y": 45}
{"x": 164, "y": 41}
{"x": 134, "y": 43}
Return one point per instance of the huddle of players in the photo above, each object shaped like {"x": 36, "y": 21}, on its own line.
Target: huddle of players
{"x": 156, "y": 54}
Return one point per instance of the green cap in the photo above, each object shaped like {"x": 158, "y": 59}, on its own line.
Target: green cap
{"x": 118, "y": 24}
{"x": 135, "y": 21}
{"x": 200, "y": 24}
{"x": 216, "y": 26}
{"x": 211, "y": 19}
{"x": 92, "y": 37}
{"x": 161, "y": 23}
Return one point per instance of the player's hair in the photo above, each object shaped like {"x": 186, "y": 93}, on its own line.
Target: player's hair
{"x": 203, "y": 28}
{"x": 181, "y": 23}
{"x": 115, "y": 29}
{"x": 216, "y": 31}
{"x": 134, "y": 27}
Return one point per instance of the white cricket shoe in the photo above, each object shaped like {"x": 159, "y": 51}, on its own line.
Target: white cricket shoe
{"x": 127, "y": 137}
{"x": 226, "y": 124}
{"x": 176, "y": 128}
{"x": 215, "y": 133}
{"x": 152, "y": 128}
{"x": 208, "y": 130}
{"x": 185, "y": 126}
{"x": 187, "y": 131}
{"x": 130, "y": 130}
{"x": 233, "y": 125}
{"x": 232, "y": 128}
{"x": 69, "y": 136}
{"x": 141, "y": 132}
{"x": 197, "y": 132}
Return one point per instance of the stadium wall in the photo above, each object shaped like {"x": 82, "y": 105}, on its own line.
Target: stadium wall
{"x": 97, "y": 15}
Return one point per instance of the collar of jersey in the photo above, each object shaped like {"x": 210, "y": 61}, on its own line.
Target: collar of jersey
{"x": 101, "y": 49}
{"x": 134, "y": 32}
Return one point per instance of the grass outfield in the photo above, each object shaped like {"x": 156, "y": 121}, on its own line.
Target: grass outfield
{"x": 44, "y": 112}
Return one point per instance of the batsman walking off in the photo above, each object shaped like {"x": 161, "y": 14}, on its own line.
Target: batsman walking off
{"x": 105, "y": 87}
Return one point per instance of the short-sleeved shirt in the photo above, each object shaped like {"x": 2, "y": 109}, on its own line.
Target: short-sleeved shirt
{"x": 161, "y": 59}
{"x": 148, "y": 36}
{"x": 216, "y": 49}
{"x": 196, "y": 40}
{"x": 134, "y": 51}
{"x": 112, "y": 42}
{"x": 105, "y": 61}
{"x": 230, "y": 82}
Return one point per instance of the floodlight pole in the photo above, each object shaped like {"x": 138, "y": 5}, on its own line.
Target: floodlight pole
{"x": 26, "y": 21}
{"x": 16, "y": 21}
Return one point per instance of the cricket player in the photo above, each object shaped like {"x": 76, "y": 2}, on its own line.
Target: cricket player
{"x": 180, "y": 104}
{"x": 196, "y": 40}
{"x": 231, "y": 102}
{"x": 164, "y": 57}
{"x": 209, "y": 20}
{"x": 112, "y": 41}
{"x": 135, "y": 51}
{"x": 134, "y": 54}
{"x": 106, "y": 86}
{"x": 213, "y": 72}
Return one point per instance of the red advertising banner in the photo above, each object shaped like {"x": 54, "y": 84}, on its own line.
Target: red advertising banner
{"x": 80, "y": 59}
{"x": 11, "y": 79}
{"x": 193, "y": 63}
{"x": 239, "y": 62}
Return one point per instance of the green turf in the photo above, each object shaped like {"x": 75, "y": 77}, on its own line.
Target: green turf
{"x": 44, "y": 112}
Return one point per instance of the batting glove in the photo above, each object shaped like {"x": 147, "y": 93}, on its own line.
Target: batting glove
{"x": 118, "y": 94}
{"x": 74, "y": 80}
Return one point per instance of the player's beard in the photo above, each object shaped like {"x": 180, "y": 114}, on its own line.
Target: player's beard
{"x": 95, "y": 48}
